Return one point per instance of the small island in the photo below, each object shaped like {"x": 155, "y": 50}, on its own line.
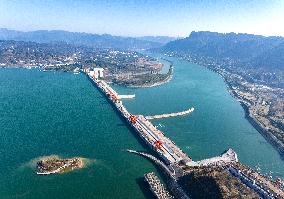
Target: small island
{"x": 55, "y": 164}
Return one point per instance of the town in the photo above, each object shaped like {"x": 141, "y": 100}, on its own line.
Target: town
{"x": 123, "y": 67}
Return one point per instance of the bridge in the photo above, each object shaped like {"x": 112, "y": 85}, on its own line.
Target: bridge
{"x": 170, "y": 114}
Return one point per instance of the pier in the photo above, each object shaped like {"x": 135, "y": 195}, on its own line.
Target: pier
{"x": 126, "y": 96}
{"x": 170, "y": 114}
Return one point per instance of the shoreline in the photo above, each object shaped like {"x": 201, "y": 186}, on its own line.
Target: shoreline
{"x": 146, "y": 85}
{"x": 265, "y": 133}
{"x": 166, "y": 80}
{"x": 169, "y": 77}
{"x": 268, "y": 136}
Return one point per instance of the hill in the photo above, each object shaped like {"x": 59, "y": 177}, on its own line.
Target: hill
{"x": 251, "y": 50}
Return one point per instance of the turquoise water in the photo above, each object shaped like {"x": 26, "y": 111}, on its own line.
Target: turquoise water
{"x": 166, "y": 65}
{"x": 45, "y": 113}
{"x": 60, "y": 113}
{"x": 217, "y": 123}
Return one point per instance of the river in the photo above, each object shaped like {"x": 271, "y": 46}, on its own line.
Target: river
{"x": 45, "y": 113}
{"x": 217, "y": 123}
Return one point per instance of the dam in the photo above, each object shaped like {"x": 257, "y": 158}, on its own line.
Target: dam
{"x": 154, "y": 138}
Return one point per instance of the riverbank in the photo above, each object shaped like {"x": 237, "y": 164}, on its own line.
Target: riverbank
{"x": 263, "y": 104}
{"x": 149, "y": 85}
{"x": 249, "y": 115}
{"x": 267, "y": 131}
{"x": 262, "y": 130}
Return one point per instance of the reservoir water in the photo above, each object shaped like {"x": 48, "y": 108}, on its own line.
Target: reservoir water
{"x": 45, "y": 113}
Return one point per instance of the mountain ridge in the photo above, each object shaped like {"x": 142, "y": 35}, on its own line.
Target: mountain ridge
{"x": 248, "y": 49}
{"x": 85, "y": 39}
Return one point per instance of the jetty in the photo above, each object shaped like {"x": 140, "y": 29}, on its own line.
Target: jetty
{"x": 170, "y": 114}
{"x": 126, "y": 96}
{"x": 157, "y": 187}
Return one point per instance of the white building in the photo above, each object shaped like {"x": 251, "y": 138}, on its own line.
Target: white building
{"x": 99, "y": 72}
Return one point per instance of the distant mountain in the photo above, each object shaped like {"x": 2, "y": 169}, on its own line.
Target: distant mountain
{"x": 253, "y": 50}
{"x": 85, "y": 39}
{"x": 6, "y": 34}
{"x": 158, "y": 39}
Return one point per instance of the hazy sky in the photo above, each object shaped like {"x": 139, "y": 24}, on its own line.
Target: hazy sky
{"x": 145, "y": 17}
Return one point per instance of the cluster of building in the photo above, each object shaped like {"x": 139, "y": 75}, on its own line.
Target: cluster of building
{"x": 253, "y": 180}
{"x": 54, "y": 56}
